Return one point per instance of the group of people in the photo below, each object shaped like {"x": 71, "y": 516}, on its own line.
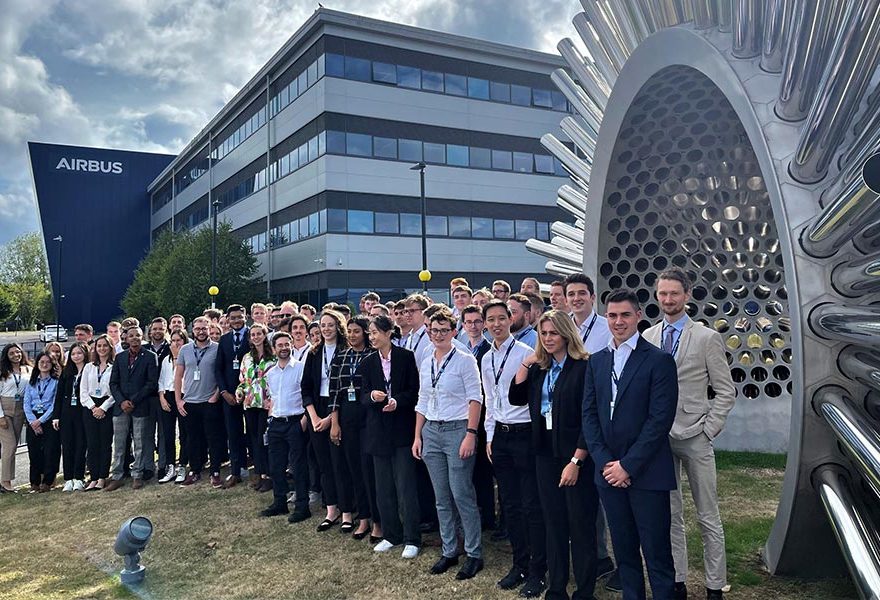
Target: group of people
{"x": 404, "y": 416}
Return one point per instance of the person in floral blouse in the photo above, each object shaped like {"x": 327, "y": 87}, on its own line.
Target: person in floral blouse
{"x": 253, "y": 394}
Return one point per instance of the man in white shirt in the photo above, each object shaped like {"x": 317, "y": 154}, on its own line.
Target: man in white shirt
{"x": 580, "y": 294}
{"x": 461, "y": 297}
{"x": 285, "y": 433}
{"x": 509, "y": 445}
{"x": 417, "y": 341}
{"x": 299, "y": 333}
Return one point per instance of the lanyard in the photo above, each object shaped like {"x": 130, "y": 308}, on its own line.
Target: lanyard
{"x": 497, "y": 374}
{"x": 237, "y": 346}
{"x": 41, "y": 389}
{"x": 387, "y": 381}
{"x": 76, "y": 383}
{"x": 200, "y": 355}
{"x": 551, "y": 381}
{"x": 418, "y": 341}
{"x": 677, "y": 340}
{"x": 352, "y": 363}
{"x": 435, "y": 379}
{"x": 614, "y": 376}
{"x": 101, "y": 373}
{"x": 523, "y": 334}
{"x": 301, "y": 354}
{"x": 17, "y": 379}
{"x": 476, "y": 349}
{"x": 589, "y": 328}
{"x": 327, "y": 361}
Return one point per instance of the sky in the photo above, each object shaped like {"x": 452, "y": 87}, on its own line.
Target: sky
{"x": 149, "y": 74}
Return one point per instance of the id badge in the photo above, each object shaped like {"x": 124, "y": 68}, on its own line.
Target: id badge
{"x": 434, "y": 398}
{"x": 17, "y": 397}
{"x": 236, "y": 364}
{"x": 197, "y": 375}
{"x": 498, "y": 397}
{"x": 266, "y": 437}
{"x": 97, "y": 392}
{"x": 351, "y": 395}
{"x": 73, "y": 400}
{"x": 548, "y": 420}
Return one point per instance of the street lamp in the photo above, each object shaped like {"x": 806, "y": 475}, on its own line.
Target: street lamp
{"x": 60, "y": 241}
{"x": 420, "y": 167}
{"x": 216, "y": 206}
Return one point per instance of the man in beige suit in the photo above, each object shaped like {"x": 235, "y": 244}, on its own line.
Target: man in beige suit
{"x": 699, "y": 355}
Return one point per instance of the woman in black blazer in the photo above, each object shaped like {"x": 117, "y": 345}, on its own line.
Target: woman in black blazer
{"x": 390, "y": 403}
{"x": 551, "y": 383}
{"x": 67, "y": 418}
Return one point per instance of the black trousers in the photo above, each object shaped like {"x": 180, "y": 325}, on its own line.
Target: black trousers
{"x": 169, "y": 423}
{"x": 570, "y": 517}
{"x": 44, "y": 452}
{"x": 360, "y": 471}
{"x": 286, "y": 438}
{"x": 257, "y": 419}
{"x": 484, "y": 485}
{"x": 397, "y": 495}
{"x": 99, "y": 444}
{"x": 320, "y": 441}
{"x": 514, "y": 461}
{"x": 73, "y": 442}
{"x": 205, "y": 432}
{"x": 233, "y": 418}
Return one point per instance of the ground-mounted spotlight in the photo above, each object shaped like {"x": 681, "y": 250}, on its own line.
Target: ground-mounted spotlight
{"x": 130, "y": 542}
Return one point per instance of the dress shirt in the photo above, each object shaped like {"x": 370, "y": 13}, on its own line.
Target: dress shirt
{"x": 166, "y": 375}
{"x": 677, "y": 328}
{"x": 35, "y": 402}
{"x": 386, "y": 366}
{"x": 598, "y": 336}
{"x": 498, "y": 407}
{"x": 299, "y": 354}
{"x": 527, "y": 335}
{"x": 419, "y": 343}
{"x": 14, "y": 385}
{"x": 546, "y": 407}
{"x": 620, "y": 354}
{"x": 285, "y": 389}
{"x": 91, "y": 384}
{"x": 457, "y": 387}
{"x": 329, "y": 351}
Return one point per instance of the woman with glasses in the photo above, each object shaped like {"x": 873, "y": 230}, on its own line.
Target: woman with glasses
{"x": 170, "y": 419}
{"x": 44, "y": 451}
{"x": 253, "y": 393}
{"x": 15, "y": 371}
{"x": 67, "y": 418}
{"x": 551, "y": 384}
{"x": 447, "y": 417}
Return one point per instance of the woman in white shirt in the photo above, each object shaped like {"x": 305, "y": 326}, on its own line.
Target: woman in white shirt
{"x": 170, "y": 419}
{"x": 15, "y": 371}
{"x": 97, "y": 401}
{"x": 447, "y": 417}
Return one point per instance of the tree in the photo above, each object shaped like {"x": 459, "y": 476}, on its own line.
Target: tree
{"x": 7, "y": 303}
{"x": 175, "y": 276}
{"x": 24, "y": 273}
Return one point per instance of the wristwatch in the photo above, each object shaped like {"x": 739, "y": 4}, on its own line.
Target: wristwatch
{"x": 471, "y": 430}
{"x": 576, "y": 461}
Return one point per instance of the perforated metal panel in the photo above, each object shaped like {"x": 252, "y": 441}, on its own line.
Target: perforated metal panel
{"x": 684, "y": 190}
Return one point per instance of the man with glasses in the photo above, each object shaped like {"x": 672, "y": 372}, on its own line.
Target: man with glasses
{"x": 417, "y": 341}
{"x": 501, "y": 290}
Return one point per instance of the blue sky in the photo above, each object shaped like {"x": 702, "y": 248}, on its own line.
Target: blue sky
{"x": 148, "y": 75}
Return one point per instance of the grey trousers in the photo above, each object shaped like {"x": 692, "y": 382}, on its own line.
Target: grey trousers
{"x": 142, "y": 441}
{"x": 453, "y": 485}
{"x": 697, "y": 456}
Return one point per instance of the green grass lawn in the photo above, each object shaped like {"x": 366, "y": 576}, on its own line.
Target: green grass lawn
{"x": 210, "y": 544}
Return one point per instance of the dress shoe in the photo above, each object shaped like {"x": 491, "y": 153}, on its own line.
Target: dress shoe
{"x": 513, "y": 579}
{"x": 499, "y": 535}
{"x": 428, "y": 527}
{"x": 613, "y": 582}
{"x": 375, "y": 539}
{"x": 604, "y": 566}
{"x": 44, "y": 487}
{"x": 714, "y": 594}
{"x": 443, "y": 565}
{"x": 471, "y": 567}
{"x": 191, "y": 479}
{"x": 680, "y": 591}
{"x": 265, "y": 485}
{"x": 533, "y": 588}
{"x": 231, "y": 481}
{"x": 274, "y": 511}
{"x": 113, "y": 484}
{"x": 328, "y": 523}
{"x": 216, "y": 482}
{"x": 147, "y": 475}
{"x": 299, "y": 516}
{"x": 137, "y": 484}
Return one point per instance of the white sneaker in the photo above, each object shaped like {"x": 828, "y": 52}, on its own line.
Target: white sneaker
{"x": 78, "y": 485}
{"x": 383, "y": 546}
{"x": 291, "y": 497}
{"x": 410, "y": 551}
{"x": 170, "y": 473}
{"x": 68, "y": 486}
{"x": 181, "y": 474}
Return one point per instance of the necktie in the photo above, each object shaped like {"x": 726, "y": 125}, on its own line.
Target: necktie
{"x": 668, "y": 338}
{"x": 237, "y": 338}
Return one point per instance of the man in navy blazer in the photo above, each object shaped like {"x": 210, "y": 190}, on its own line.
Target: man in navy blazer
{"x": 630, "y": 397}
{"x": 232, "y": 347}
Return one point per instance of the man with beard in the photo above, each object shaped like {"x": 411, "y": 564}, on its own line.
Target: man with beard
{"x": 521, "y": 310}
{"x": 231, "y": 349}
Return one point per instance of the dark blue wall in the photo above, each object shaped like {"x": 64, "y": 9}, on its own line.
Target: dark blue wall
{"x": 104, "y": 218}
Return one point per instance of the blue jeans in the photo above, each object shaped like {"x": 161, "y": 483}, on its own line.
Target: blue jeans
{"x": 451, "y": 478}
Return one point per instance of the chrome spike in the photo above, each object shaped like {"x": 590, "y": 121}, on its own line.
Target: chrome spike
{"x": 625, "y": 15}
{"x": 608, "y": 37}
{"x": 705, "y": 13}
{"x": 561, "y": 269}
{"x": 583, "y": 139}
{"x": 588, "y": 35}
{"x": 567, "y": 231}
{"x": 747, "y": 21}
{"x": 862, "y": 365}
{"x": 866, "y": 142}
{"x": 867, "y": 241}
{"x": 777, "y": 28}
{"x": 584, "y": 105}
{"x": 852, "y": 324}
{"x": 554, "y": 252}
{"x": 587, "y": 74}
{"x": 567, "y": 244}
{"x": 723, "y": 10}
{"x": 572, "y": 163}
{"x": 855, "y": 278}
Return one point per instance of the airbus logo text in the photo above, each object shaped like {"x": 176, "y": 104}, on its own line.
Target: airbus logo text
{"x": 89, "y": 166}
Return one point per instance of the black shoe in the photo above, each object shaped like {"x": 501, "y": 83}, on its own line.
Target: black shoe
{"x": 442, "y": 565}
{"x": 471, "y": 567}
{"x": 148, "y": 475}
{"x": 604, "y": 567}
{"x": 327, "y": 523}
{"x": 274, "y": 511}
{"x": 299, "y": 515}
{"x": 499, "y": 535}
{"x": 533, "y": 588}
{"x": 714, "y": 594}
{"x": 429, "y": 527}
{"x": 375, "y": 539}
{"x": 513, "y": 579}
{"x": 613, "y": 583}
{"x": 680, "y": 591}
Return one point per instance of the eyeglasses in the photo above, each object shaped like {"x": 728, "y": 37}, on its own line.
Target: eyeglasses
{"x": 200, "y": 329}
{"x": 499, "y": 291}
{"x": 473, "y": 323}
{"x": 409, "y": 311}
{"x": 440, "y": 332}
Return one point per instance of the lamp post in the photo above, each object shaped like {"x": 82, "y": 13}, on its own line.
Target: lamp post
{"x": 216, "y": 206}
{"x": 60, "y": 241}
{"x": 424, "y": 275}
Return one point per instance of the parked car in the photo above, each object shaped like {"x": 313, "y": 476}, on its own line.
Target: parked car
{"x": 53, "y": 333}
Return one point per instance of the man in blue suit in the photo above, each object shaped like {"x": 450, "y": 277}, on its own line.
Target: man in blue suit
{"x": 232, "y": 347}
{"x": 630, "y": 397}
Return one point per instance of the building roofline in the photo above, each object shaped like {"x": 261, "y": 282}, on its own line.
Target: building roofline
{"x": 326, "y": 16}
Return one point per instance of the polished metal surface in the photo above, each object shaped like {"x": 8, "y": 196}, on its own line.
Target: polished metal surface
{"x": 724, "y": 10}
{"x": 583, "y": 137}
{"x": 855, "y": 533}
{"x": 851, "y": 324}
{"x": 705, "y": 13}
{"x": 747, "y": 22}
{"x": 610, "y": 39}
{"x": 852, "y": 63}
{"x": 568, "y": 158}
{"x": 582, "y": 103}
{"x": 604, "y": 64}
{"x": 861, "y": 364}
{"x": 777, "y": 27}
{"x": 808, "y": 47}
{"x": 586, "y": 73}
{"x": 855, "y": 278}
{"x": 554, "y": 252}
{"x": 663, "y": 13}
{"x": 629, "y": 20}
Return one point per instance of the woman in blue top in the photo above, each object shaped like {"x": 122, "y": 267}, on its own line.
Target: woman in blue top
{"x": 44, "y": 450}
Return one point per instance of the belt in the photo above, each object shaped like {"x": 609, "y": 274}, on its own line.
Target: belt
{"x": 514, "y": 427}
{"x": 288, "y": 418}
{"x": 451, "y": 422}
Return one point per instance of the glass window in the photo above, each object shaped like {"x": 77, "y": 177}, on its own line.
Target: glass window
{"x": 336, "y": 220}
{"x": 313, "y": 148}
{"x": 481, "y": 158}
{"x": 410, "y": 150}
{"x": 460, "y": 226}
{"x": 322, "y": 68}
{"x": 302, "y": 82}
{"x": 303, "y": 152}
{"x": 358, "y": 144}
{"x": 544, "y": 164}
{"x": 387, "y": 223}
{"x": 409, "y": 77}
{"x": 294, "y": 161}
{"x": 285, "y": 165}
{"x": 432, "y": 81}
{"x": 312, "y": 73}
{"x": 313, "y": 224}
{"x": 522, "y": 162}
{"x": 501, "y": 159}
{"x": 303, "y": 228}
{"x": 558, "y": 168}
{"x": 293, "y": 90}
{"x": 482, "y": 227}
{"x": 410, "y": 224}
{"x": 543, "y": 231}
{"x": 435, "y": 153}
{"x": 384, "y": 72}
{"x": 357, "y": 68}
{"x": 456, "y": 156}
{"x": 360, "y": 221}
{"x": 283, "y": 99}
{"x": 478, "y": 88}
{"x": 499, "y": 92}
{"x": 335, "y": 142}
{"x": 322, "y": 143}
{"x": 521, "y": 95}
{"x": 542, "y": 98}
{"x": 436, "y": 225}
{"x": 558, "y": 100}
{"x": 504, "y": 229}
{"x": 525, "y": 229}
{"x": 385, "y": 147}
{"x": 456, "y": 85}
{"x": 322, "y": 220}
{"x": 335, "y": 64}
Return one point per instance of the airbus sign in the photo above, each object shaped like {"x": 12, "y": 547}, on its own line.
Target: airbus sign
{"x": 89, "y": 166}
